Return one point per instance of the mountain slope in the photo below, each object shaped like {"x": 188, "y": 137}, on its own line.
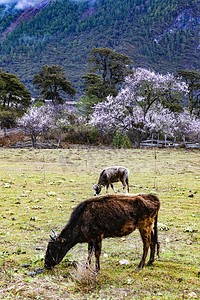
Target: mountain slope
{"x": 162, "y": 35}
{"x": 24, "y": 16}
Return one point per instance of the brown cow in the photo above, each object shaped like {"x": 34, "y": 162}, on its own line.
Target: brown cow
{"x": 103, "y": 217}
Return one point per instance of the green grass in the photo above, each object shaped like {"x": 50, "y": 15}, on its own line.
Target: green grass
{"x": 39, "y": 189}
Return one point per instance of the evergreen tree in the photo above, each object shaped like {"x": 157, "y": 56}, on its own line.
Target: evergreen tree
{"x": 95, "y": 86}
{"x": 192, "y": 78}
{"x": 13, "y": 93}
{"x": 52, "y": 82}
{"x": 112, "y": 66}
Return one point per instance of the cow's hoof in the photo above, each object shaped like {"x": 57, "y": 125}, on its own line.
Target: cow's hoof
{"x": 149, "y": 263}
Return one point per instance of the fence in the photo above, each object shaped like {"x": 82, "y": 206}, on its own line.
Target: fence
{"x": 166, "y": 143}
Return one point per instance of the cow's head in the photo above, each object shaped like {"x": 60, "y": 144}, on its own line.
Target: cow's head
{"x": 97, "y": 189}
{"x": 56, "y": 250}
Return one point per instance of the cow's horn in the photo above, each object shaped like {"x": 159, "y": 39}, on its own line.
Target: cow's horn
{"x": 54, "y": 232}
{"x": 53, "y": 238}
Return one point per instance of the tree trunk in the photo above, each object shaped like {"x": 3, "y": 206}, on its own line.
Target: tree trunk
{"x": 33, "y": 139}
{"x": 138, "y": 141}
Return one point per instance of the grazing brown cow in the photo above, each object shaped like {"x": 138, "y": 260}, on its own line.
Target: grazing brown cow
{"x": 103, "y": 217}
{"x": 109, "y": 175}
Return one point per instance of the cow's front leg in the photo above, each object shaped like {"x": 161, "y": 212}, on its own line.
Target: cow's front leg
{"x": 112, "y": 186}
{"x": 97, "y": 249}
{"x": 90, "y": 252}
{"x": 153, "y": 245}
{"x": 107, "y": 186}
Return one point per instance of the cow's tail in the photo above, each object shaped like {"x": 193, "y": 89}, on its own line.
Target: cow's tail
{"x": 156, "y": 234}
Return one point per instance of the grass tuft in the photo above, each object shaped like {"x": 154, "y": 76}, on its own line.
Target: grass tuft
{"x": 84, "y": 275}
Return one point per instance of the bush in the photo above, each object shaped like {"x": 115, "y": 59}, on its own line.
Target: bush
{"x": 121, "y": 140}
{"x": 7, "y": 119}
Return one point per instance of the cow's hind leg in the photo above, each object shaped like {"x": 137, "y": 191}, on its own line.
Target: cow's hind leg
{"x": 146, "y": 239}
{"x": 125, "y": 185}
{"x": 152, "y": 249}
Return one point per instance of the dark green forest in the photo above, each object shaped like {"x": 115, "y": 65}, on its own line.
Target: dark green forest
{"x": 158, "y": 34}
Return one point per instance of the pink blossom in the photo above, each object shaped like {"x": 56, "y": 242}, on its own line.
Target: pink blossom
{"x": 138, "y": 107}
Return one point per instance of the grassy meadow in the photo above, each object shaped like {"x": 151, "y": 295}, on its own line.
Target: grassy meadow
{"x": 39, "y": 189}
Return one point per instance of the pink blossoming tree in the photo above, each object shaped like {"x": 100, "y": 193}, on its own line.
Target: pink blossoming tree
{"x": 47, "y": 119}
{"x": 145, "y": 104}
{"x": 36, "y": 121}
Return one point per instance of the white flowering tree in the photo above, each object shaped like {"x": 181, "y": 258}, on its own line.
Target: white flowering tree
{"x": 186, "y": 125}
{"x": 62, "y": 117}
{"x": 148, "y": 88}
{"x": 160, "y": 120}
{"x": 54, "y": 119}
{"x": 36, "y": 121}
{"x": 142, "y": 106}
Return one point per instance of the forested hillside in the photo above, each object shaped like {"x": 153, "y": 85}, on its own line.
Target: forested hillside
{"x": 161, "y": 35}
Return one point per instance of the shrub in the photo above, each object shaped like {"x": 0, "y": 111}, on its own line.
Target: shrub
{"x": 7, "y": 119}
{"x": 121, "y": 140}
